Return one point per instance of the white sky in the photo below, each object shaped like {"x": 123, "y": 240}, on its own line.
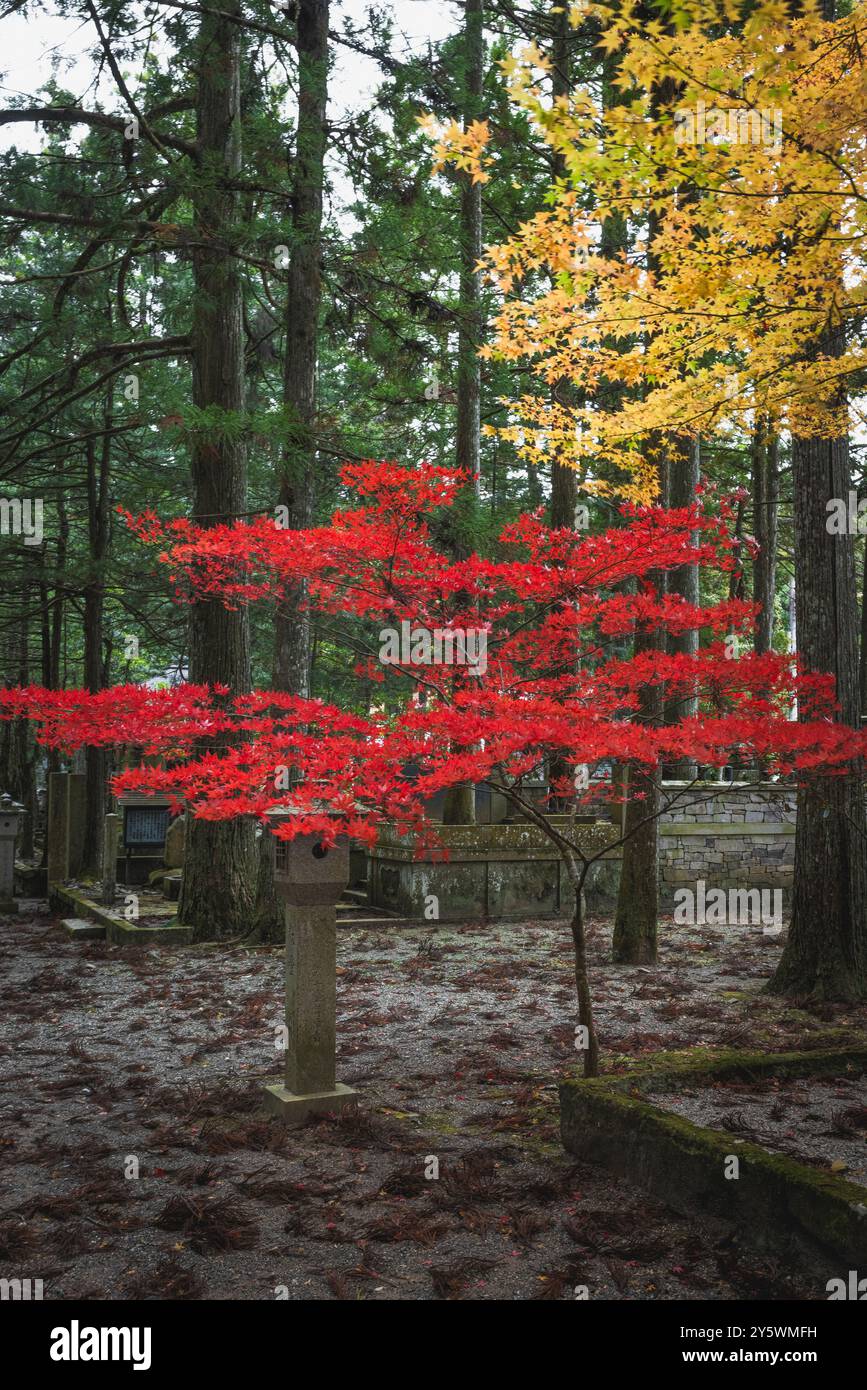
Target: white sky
{"x": 49, "y": 43}
{"x": 33, "y": 46}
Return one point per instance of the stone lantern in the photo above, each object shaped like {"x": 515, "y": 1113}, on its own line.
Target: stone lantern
{"x": 10, "y": 816}
{"x": 309, "y": 877}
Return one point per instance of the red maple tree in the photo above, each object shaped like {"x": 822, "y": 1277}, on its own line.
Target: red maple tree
{"x": 555, "y": 607}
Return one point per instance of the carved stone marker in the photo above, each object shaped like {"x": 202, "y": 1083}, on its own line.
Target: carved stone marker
{"x": 310, "y": 879}
{"x": 173, "y": 851}
{"x": 65, "y": 825}
{"x": 10, "y": 814}
{"x": 109, "y": 858}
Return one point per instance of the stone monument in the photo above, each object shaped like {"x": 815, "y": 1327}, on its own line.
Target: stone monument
{"x": 309, "y": 877}
{"x": 10, "y": 815}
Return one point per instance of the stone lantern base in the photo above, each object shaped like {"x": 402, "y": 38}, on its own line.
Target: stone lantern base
{"x": 293, "y": 1109}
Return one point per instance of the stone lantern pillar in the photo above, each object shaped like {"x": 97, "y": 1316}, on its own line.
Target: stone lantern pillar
{"x": 10, "y": 817}
{"x": 309, "y": 878}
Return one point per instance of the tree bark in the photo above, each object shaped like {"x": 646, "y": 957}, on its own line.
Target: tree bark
{"x": 564, "y": 480}
{"x": 293, "y": 646}
{"x": 49, "y": 651}
{"x": 96, "y": 762}
{"x": 216, "y": 894}
{"x": 292, "y": 637}
{"x": 635, "y": 922}
{"x": 684, "y": 472}
{"x": 459, "y": 804}
{"x": 58, "y": 616}
{"x": 17, "y": 740}
{"x": 766, "y": 491}
{"x": 636, "y": 916}
{"x": 862, "y": 677}
{"x": 470, "y": 325}
{"x": 582, "y": 984}
{"x": 825, "y": 957}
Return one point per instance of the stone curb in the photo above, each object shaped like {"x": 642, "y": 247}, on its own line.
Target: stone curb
{"x": 117, "y": 933}
{"x": 775, "y": 1202}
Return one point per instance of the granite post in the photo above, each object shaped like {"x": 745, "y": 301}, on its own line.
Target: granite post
{"x": 10, "y": 817}
{"x": 65, "y": 828}
{"x": 310, "y": 879}
{"x": 109, "y": 858}
{"x": 77, "y": 822}
{"x": 57, "y": 827}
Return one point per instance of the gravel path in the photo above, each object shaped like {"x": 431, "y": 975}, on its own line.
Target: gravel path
{"x": 150, "y": 1061}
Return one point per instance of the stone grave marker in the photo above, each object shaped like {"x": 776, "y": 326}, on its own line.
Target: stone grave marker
{"x": 10, "y": 819}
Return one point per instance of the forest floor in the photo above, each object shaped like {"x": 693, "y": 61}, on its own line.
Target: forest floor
{"x": 113, "y": 1060}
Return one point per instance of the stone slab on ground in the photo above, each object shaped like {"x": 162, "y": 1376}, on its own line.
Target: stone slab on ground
{"x": 122, "y": 933}
{"x": 296, "y": 1110}
{"x": 81, "y": 929}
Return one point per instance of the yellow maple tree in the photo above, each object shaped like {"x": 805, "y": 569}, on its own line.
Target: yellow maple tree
{"x": 736, "y": 157}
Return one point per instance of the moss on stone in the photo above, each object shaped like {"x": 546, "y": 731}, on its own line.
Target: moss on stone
{"x": 669, "y": 1070}
{"x": 612, "y": 1119}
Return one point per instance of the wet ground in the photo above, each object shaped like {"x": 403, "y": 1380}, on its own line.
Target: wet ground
{"x": 819, "y": 1120}
{"x": 135, "y": 1160}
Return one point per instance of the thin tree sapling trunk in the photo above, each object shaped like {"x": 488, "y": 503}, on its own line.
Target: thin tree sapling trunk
{"x": 582, "y": 980}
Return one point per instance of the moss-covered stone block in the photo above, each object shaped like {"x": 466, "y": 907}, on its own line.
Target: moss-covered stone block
{"x": 774, "y": 1201}
{"x": 495, "y": 872}
{"x": 118, "y": 931}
